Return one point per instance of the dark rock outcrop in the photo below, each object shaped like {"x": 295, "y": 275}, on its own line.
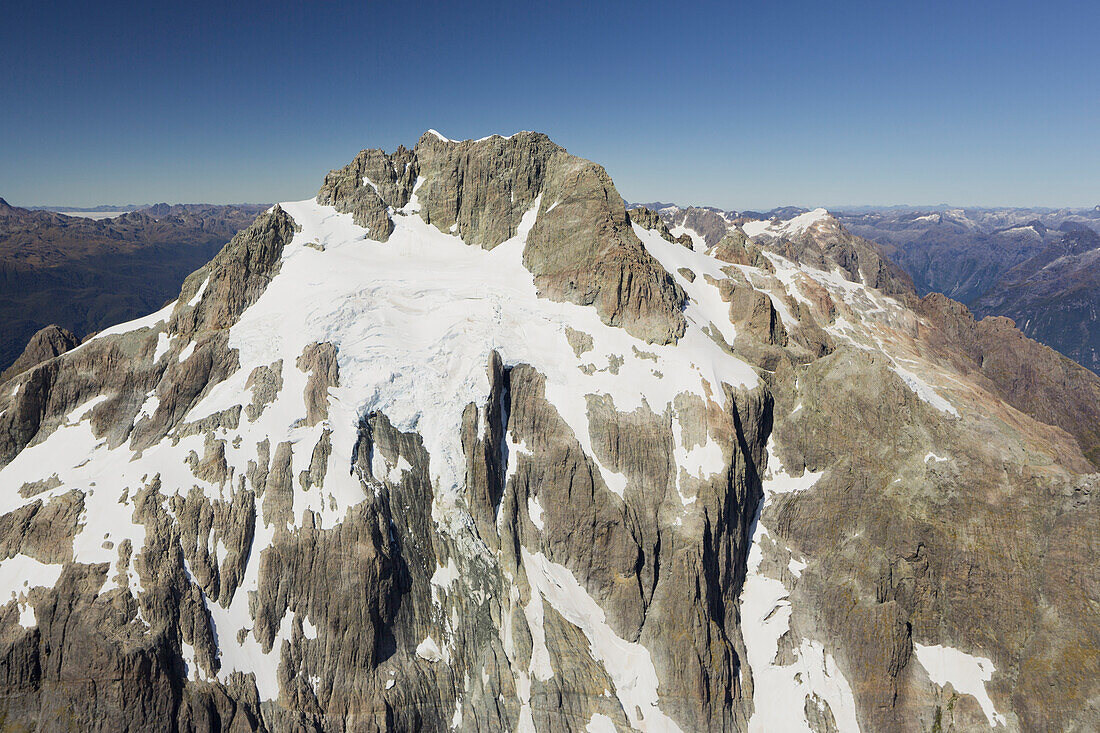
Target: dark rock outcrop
{"x": 51, "y": 341}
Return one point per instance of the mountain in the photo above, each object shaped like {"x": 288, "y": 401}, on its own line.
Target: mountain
{"x": 48, "y": 343}
{"x": 101, "y": 209}
{"x": 460, "y": 443}
{"x": 83, "y": 274}
{"x": 1054, "y": 296}
{"x": 1001, "y": 262}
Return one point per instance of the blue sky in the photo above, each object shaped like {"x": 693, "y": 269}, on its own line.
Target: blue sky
{"x": 740, "y": 105}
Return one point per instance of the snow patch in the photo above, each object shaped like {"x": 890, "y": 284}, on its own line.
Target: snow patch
{"x": 534, "y": 510}
{"x": 187, "y": 351}
{"x": 924, "y": 390}
{"x": 966, "y": 673}
{"x": 628, "y": 664}
{"x": 199, "y": 293}
{"x": 600, "y": 723}
{"x": 698, "y": 242}
{"x": 445, "y": 575}
{"x": 18, "y": 575}
{"x": 308, "y": 629}
{"x": 152, "y": 402}
{"x": 790, "y": 227}
{"x": 162, "y": 346}
{"x": 429, "y": 650}
{"x": 540, "y": 656}
{"x": 150, "y": 321}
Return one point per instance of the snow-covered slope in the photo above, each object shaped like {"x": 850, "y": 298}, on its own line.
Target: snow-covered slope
{"x": 351, "y": 484}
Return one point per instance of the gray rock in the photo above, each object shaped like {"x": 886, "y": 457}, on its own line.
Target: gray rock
{"x": 48, "y": 343}
{"x": 650, "y": 219}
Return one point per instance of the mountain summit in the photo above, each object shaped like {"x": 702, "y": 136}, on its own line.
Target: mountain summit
{"x": 460, "y": 444}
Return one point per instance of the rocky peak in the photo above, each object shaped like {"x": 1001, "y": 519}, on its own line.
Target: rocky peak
{"x": 483, "y": 187}
{"x": 581, "y": 248}
{"x": 49, "y": 342}
{"x": 8, "y": 211}
{"x": 817, "y": 238}
{"x": 650, "y": 219}
{"x": 157, "y": 211}
{"x": 710, "y": 224}
{"x": 1080, "y": 240}
{"x": 213, "y": 297}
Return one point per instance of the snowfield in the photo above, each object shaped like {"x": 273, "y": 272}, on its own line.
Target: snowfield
{"x": 414, "y": 321}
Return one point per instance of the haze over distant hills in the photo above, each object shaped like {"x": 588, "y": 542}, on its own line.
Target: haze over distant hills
{"x": 84, "y": 274}
{"x": 102, "y": 208}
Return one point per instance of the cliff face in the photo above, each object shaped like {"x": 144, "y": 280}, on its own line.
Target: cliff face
{"x": 460, "y": 445}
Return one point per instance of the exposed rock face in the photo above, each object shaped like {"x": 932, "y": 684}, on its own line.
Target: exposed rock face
{"x": 819, "y": 240}
{"x": 650, "y": 219}
{"x": 389, "y": 485}
{"x": 1031, "y": 377}
{"x": 235, "y": 277}
{"x": 581, "y": 249}
{"x": 368, "y": 185}
{"x": 51, "y": 341}
{"x": 709, "y": 224}
{"x": 483, "y": 187}
{"x": 319, "y": 361}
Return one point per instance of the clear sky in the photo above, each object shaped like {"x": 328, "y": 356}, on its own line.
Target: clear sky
{"x": 739, "y": 105}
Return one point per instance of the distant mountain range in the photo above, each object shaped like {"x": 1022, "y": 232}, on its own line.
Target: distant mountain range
{"x": 1034, "y": 265}
{"x": 85, "y": 274}
{"x": 103, "y": 208}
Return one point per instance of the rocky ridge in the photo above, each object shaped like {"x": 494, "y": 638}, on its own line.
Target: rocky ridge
{"x": 460, "y": 444}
